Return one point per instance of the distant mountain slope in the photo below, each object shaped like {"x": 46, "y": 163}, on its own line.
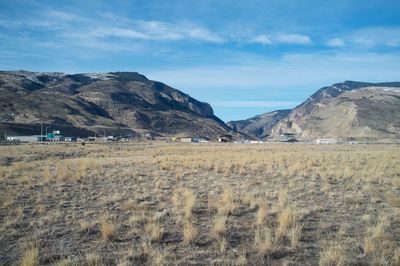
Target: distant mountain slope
{"x": 346, "y": 110}
{"x": 259, "y": 126}
{"x": 106, "y": 103}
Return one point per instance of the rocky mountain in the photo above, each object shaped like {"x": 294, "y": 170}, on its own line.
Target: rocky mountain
{"x": 259, "y": 126}
{"x": 103, "y": 103}
{"x": 348, "y": 110}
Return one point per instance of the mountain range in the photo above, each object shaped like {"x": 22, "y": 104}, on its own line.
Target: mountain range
{"x": 348, "y": 110}
{"x": 128, "y": 103}
{"x": 112, "y": 103}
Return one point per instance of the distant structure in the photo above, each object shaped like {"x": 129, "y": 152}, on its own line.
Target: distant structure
{"x": 325, "y": 141}
{"x": 288, "y": 137}
{"x": 182, "y": 139}
{"x": 33, "y": 138}
{"x": 55, "y": 136}
{"x": 225, "y": 138}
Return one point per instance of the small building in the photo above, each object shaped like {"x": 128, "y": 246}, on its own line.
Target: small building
{"x": 70, "y": 139}
{"x": 182, "y": 139}
{"x": 186, "y": 139}
{"x": 325, "y": 141}
{"x": 54, "y": 136}
{"x": 225, "y": 138}
{"x": 33, "y": 138}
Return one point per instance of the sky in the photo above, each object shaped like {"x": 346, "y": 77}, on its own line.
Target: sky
{"x": 243, "y": 57}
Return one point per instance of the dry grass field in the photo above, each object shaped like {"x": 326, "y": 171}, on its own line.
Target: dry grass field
{"x": 199, "y": 204}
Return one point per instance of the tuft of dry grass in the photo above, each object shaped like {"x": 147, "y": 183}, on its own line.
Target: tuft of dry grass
{"x": 158, "y": 258}
{"x": 153, "y": 231}
{"x": 286, "y": 219}
{"x": 93, "y": 259}
{"x": 107, "y": 229}
{"x": 85, "y": 226}
{"x": 219, "y": 226}
{"x": 189, "y": 202}
{"x": 225, "y": 204}
{"x": 283, "y": 198}
{"x": 262, "y": 214}
{"x": 332, "y": 255}
{"x": 138, "y": 219}
{"x": 264, "y": 242}
{"x": 379, "y": 246}
{"x": 19, "y": 213}
{"x": 64, "y": 262}
{"x": 242, "y": 260}
{"x": 222, "y": 245}
{"x": 129, "y": 205}
{"x": 190, "y": 232}
{"x": 295, "y": 235}
{"x": 393, "y": 199}
{"x": 31, "y": 255}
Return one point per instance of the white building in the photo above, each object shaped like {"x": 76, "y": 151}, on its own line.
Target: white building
{"x": 325, "y": 141}
{"x": 33, "y": 138}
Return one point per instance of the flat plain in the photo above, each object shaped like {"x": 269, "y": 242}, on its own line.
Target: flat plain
{"x": 154, "y": 203}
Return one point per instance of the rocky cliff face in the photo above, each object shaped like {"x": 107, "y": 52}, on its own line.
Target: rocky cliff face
{"x": 112, "y": 103}
{"x": 349, "y": 110}
{"x": 259, "y": 126}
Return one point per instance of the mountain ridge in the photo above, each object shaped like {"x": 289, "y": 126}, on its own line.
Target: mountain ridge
{"x": 347, "y": 110}
{"x": 124, "y": 102}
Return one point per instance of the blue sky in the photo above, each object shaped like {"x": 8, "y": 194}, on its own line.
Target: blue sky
{"x": 243, "y": 57}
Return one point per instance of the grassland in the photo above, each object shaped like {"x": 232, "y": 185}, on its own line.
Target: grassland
{"x": 189, "y": 204}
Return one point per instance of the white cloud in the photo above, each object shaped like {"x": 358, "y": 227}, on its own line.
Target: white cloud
{"x": 262, "y": 39}
{"x": 155, "y": 30}
{"x": 335, "y": 42}
{"x": 293, "y": 39}
{"x": 290, "y": 71}
{"x": 64, "y": 16}
{"x": 205, "y": 35}
{"x": 281, "y": 38}
{"x": 118, "y": 32}
{"x": 376, "y": 36}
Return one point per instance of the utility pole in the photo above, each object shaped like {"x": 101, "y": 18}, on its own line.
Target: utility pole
{"x": 46, "y": 131}
{"x": 41, "y": 131}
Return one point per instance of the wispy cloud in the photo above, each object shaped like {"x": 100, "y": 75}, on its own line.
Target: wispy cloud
{"x": 282, "y": 38}
{"x": 262, "y": 39}
{"x": 103, "y": 32}
{"x": 293, "y": 39}
{"x": 335, "y": 42}
{"x": 75, "y": 26}
{"x": 296, "y": 70}
{"x": 377, "y": 36}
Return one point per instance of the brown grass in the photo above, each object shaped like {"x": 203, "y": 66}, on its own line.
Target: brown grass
{"x": 262, "y": 214}
{"x": 153, "y": 230}
{"x": 264, "y": 241}
{"x": 332, "y": 255}
{"x": 93, "y": 259}
{"x": 286, "y": 220}
{"x": 190, "y": 232}
{"x": 30, "y": 256}
{"x": 219, "y": 226}
{"x": 107, "y": 229}
{"x": 209, "y": 204}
